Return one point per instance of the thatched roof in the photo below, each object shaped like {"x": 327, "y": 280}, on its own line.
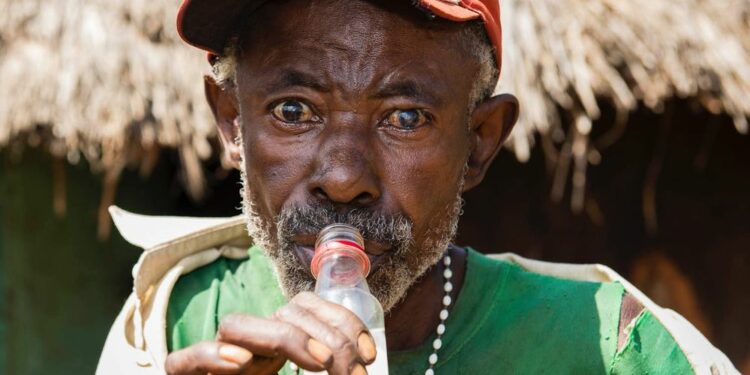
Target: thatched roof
{"x": 571, "y": 54}
{"x": 568, "y": 53}
{"x": 111, "y": 81}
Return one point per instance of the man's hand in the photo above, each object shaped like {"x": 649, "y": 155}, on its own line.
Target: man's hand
{"x": 315, "y": 334}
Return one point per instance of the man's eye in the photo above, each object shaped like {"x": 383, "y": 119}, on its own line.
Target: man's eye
{"x": 407, "y": 119}
{"x": 293, "y": 111}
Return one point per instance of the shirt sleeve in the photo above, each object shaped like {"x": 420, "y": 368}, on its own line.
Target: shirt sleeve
{"x": 650, "y": 349}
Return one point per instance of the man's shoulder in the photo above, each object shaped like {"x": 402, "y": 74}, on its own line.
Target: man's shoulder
{"x": 552, "y": 271}
{"x": 201, "y": 297}
{"x": 541, "y": 297}
{"x": 221, "y": 271}
{"x": 172, "y": 247}
{"x": 551, "y": 282}
{"x": 654, "y": 327}
{"x": 568, "y": 274}
{"x": 251, "y": 271}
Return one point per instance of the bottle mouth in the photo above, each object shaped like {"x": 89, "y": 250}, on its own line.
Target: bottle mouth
{"x": 340, "y": 232}
{"x": 341, "y": 247}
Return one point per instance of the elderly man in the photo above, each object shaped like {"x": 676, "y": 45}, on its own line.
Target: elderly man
{"x": 379, "y": 114}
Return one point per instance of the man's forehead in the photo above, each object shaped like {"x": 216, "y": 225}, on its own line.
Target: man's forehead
{"x": 371, "y": 47}
{"x": 415, "y": 85}
{"x": 428, "y": 75}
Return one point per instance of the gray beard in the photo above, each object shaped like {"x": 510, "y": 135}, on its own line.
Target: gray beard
{"x": 393, "y": 277}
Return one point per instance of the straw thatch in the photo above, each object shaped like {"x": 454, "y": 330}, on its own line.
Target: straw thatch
{"x": 567, "y": 55}
{"x": 112, "y": 82}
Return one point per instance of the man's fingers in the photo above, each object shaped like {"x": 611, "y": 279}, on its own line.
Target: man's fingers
{"x": 341, "y": 318}
{"x": 264, "y": 366}
{"x": 208, "y": 357}
{"x": 272, "y": 338}
{"x": 344, "y": 350}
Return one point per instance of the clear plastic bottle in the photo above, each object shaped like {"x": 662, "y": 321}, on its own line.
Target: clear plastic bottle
{"x": 340, "y": 267}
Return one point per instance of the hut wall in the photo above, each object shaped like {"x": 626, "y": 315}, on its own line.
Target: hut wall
{"x": 3, "y": 302}
{"x": 62, "y": 287}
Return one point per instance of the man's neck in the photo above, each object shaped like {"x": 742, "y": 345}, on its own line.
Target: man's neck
{"x": 414, "y": 319}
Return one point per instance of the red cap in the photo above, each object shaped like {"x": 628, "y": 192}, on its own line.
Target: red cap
{"x": 208, "y": 24}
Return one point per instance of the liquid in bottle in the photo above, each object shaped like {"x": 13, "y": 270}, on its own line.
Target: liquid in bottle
{"x": 340, "y": 267}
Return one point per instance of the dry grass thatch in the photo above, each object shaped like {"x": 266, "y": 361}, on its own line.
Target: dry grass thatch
{"x": 112, "y": 81}
{"x": 568, "y": 54}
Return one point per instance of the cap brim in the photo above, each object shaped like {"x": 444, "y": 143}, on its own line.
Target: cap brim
{"x": 207, "y": 24}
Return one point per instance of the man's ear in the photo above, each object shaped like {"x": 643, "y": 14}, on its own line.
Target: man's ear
{"x": 223, "y": 103}
{"x": 491, "y": 123}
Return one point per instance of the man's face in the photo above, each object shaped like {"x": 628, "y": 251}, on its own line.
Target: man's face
{"x": 354, "y": 111}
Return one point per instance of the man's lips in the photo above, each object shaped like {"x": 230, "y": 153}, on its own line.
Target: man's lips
{"x": 304, "y": 246}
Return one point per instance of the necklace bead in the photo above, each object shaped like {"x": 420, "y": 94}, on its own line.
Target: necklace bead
{"x": 447, "y": 261}
{"x": 437, "y": 344}
{"x": 447, "y": 300}
{"x": 432, "y": 359}
{"x": 448, "y": 287}
{"x": 443, "y": 314}
{"x": 448, "y": 273}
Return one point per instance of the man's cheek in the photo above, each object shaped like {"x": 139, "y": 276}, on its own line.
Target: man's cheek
{"x": 431, "y": 196}
{"x": 277, "y": 170}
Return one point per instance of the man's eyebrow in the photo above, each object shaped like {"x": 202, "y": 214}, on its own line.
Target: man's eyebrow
{"x": 408, "y": 89}
{"x": 296, "y": 78}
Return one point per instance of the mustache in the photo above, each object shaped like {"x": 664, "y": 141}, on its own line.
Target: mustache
{"x": 392, "y": 229}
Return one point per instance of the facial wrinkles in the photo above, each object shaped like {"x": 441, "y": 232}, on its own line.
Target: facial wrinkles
{"x": 350, "y": 70}
{"x": 351, "y": 44}
{"x": 348, "y": 52}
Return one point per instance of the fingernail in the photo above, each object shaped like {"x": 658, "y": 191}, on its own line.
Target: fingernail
{"x": 234, "y": 354}
{"x": 320, "y": 352}
{"x": 366, "y": 347}
{"x": 358, "y": 369}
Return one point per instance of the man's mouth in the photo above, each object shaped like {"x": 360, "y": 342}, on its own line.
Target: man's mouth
{"x": 304, "y": 248}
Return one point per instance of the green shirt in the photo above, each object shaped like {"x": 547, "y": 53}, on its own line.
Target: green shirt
{"x": 506, "y": 320}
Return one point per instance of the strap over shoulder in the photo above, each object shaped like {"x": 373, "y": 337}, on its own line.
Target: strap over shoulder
{"x": 173, "y": 246}
{"x": 168, "y": 239}
{"x": 148, "y": 232}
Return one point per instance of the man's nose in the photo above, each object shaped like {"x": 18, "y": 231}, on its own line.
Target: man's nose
{"x": 344, "y": 173}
